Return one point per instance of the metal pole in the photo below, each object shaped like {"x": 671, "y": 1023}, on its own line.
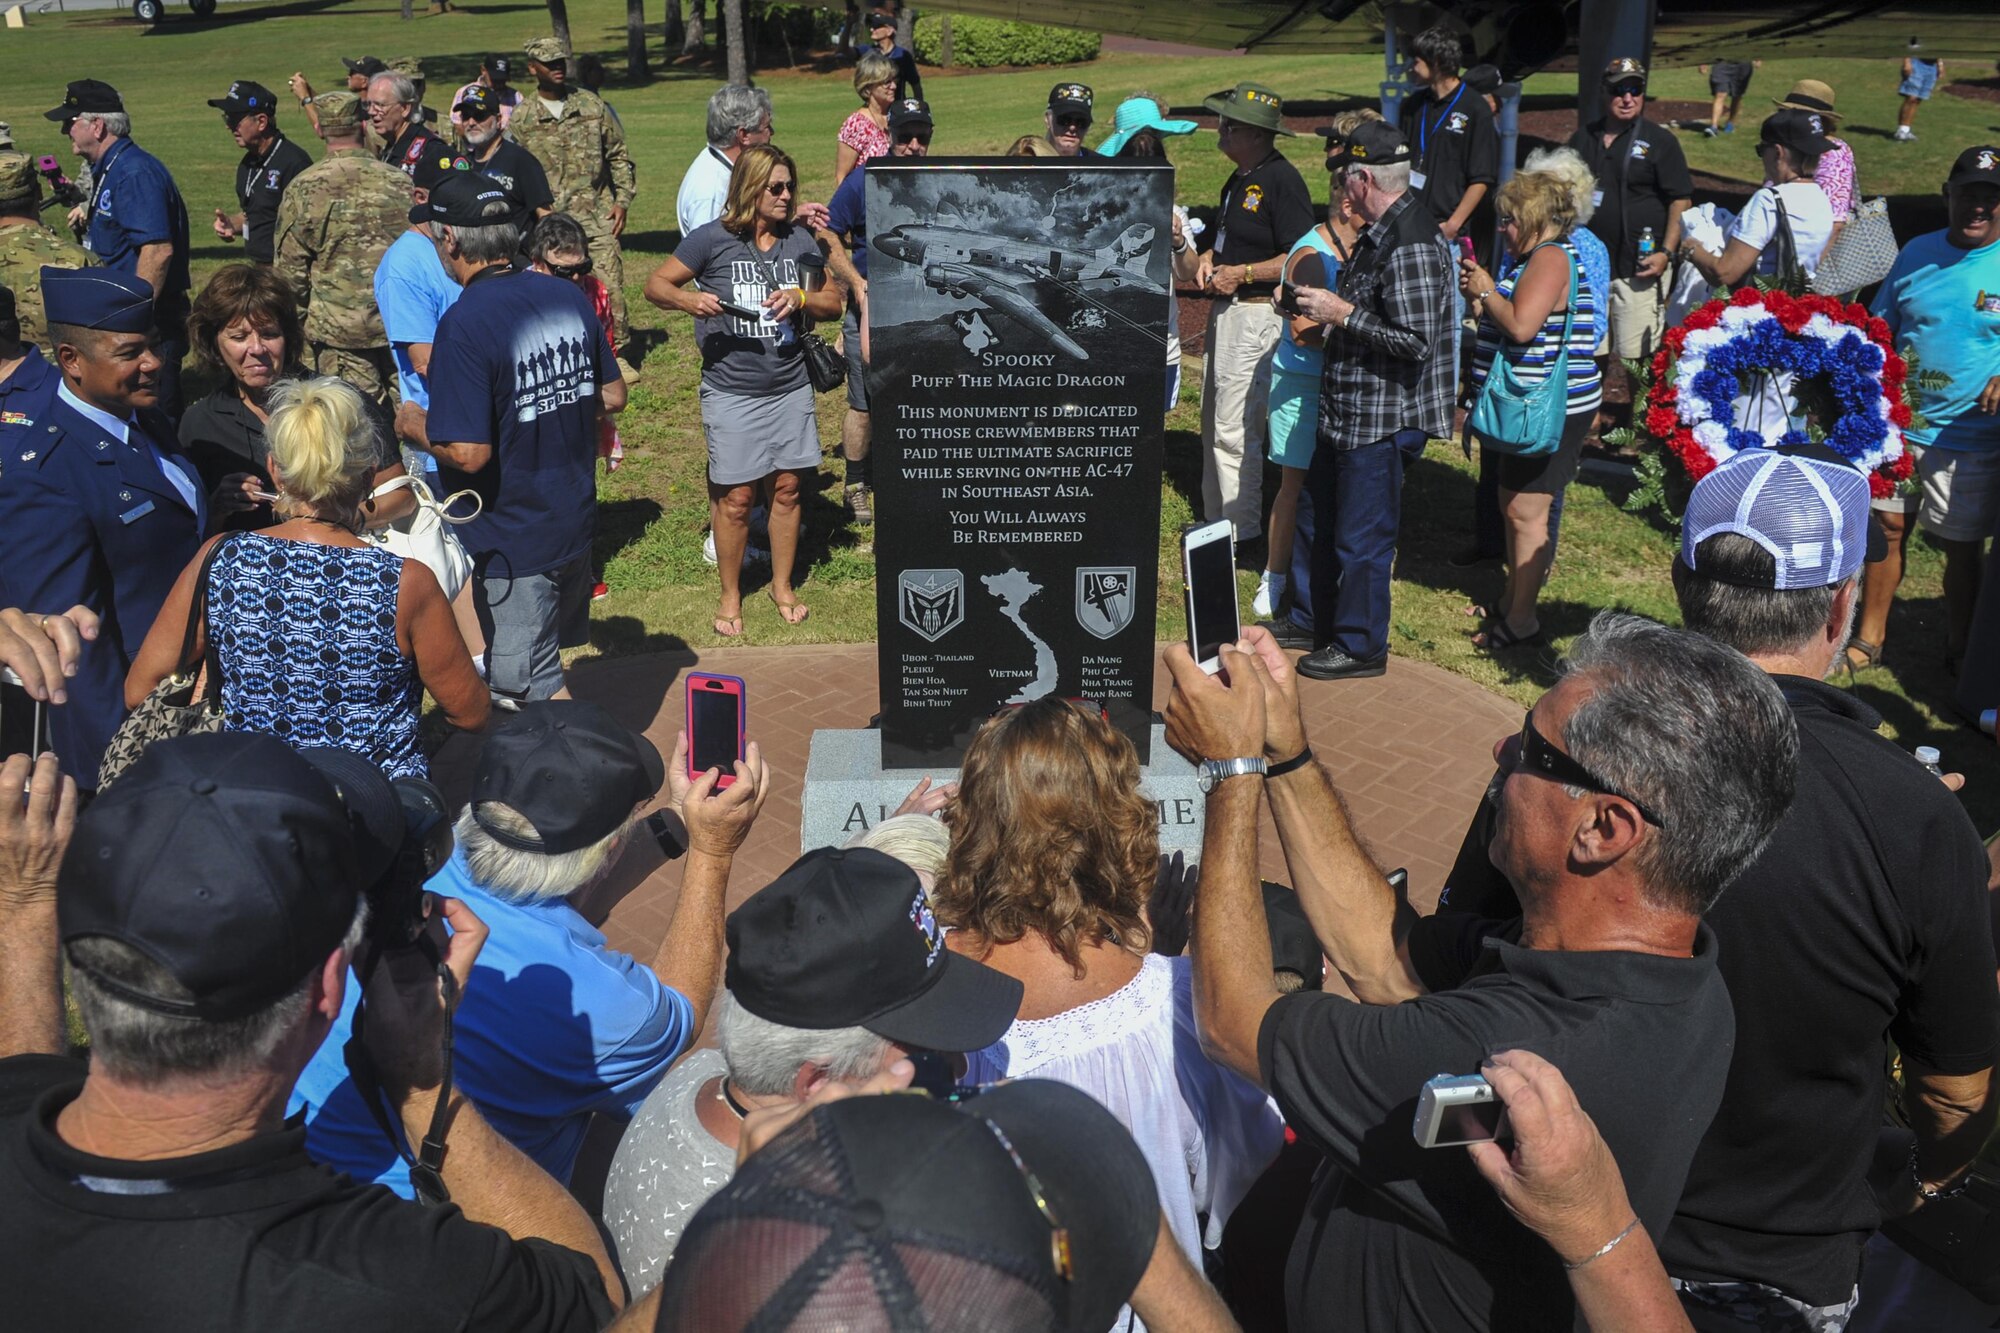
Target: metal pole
{"x": 1608, "y": 29}
{"x": 1393, "y": 85}
{"x": 1507, "y": 123}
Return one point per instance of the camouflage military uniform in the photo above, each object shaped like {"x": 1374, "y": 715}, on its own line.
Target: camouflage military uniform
{"x": 336, "y": 221}
{"x": 589, "y": 172}
{"x": 24, "y": 248}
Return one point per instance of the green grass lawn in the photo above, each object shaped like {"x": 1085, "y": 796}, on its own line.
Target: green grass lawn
{"x": 664, "y": 596}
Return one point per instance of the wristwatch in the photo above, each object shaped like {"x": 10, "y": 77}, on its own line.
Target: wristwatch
{"x": 1213, "y": 771}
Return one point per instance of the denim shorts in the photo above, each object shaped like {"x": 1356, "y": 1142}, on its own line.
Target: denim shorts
{"x": 1923, "y": 78}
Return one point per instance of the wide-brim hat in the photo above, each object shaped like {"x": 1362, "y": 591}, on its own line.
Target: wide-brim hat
{"x": 1809, "y": 95}
{"x": 1140, "y": 113}
{"x": 1251, "y": 104}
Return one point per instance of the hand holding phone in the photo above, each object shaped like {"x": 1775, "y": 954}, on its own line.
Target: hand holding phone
{"x": 716, "y": 725}
{"x": 1208, "y": 569}
{"x": 1465, "y": 250}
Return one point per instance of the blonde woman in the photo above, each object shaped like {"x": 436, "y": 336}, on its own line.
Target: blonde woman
{"x": 866, "y": 133}
{"x": 323, "y": 639}
{"x": 757, "y": 406}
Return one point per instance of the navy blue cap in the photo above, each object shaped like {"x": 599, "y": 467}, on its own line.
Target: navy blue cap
{"x": 85, "y": 97}
{"x": 245, "y": 97}
{"x": 232, "y": 861}
{"x": 568, "y": 767}
{"x": 97, "y": 298}
{"x": 465, "y": 199}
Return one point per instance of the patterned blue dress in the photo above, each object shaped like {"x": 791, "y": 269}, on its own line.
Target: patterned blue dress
{"x": 307, "y": 638}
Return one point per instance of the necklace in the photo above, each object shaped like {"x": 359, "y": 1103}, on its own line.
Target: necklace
{"x": 723, "y": 1095}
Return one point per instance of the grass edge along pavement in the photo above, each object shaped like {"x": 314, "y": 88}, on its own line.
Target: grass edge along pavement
{"x": 654, "y": 510}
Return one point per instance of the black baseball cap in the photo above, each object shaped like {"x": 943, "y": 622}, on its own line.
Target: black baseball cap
{"x": 1976, "y": 166}
{"x": 84, "y": 97}
{"x": 480, "y": 100}
{"x": 1072, "y": 99}
{"x": 846, "y": 938}
{"x": 568, "y": 767}
{"x": 1800, "y": 131}
{"x": 499, "y": 64}
{"x": 1376, "y": 143}
{"x": 438, "y": 161}
{"x": 462, "y": 199}
{"x": 232, "y": 861}
{"x": 878, "y": 19}
{"x": 909, "y": 111}
{"x": 1483, "y": 79}
{"x": 245, "y": 97}
{"x": 369, "y": 65}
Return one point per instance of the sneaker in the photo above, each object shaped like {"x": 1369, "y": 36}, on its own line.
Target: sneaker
{"x": 1290, "y": 633}
{"x": 753, "y": 554}
{"x": 1904, "y": 134}
{"x": 1330, "y": 663}
{"x": 599, "y": 591}
{"x": 1468, "y": 556}
{"x": 627, "y": 372}
{"x": 1730, "y": 128}
{"x": 860, "y": 502}
{"x": 1708, "y": 131}
{"x": 708, "y": 549}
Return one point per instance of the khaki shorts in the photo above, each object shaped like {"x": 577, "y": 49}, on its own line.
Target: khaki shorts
{"x": 1638, "y": 316}
{"x": 1961, "y": 494}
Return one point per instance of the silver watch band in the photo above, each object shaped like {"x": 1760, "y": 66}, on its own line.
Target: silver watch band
{"x": 1213, "y": 771}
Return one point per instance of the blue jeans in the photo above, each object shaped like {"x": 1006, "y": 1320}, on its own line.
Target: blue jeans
{"x": 1357, "y": 497}
{"x": 1486, "y": 534}
{"x": 1302, "y": 560}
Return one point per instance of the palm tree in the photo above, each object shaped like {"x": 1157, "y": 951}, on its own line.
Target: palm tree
{"x": 635, "y": 38}
{"x": 559, "y": 21}
{"x": 734, "y": 31}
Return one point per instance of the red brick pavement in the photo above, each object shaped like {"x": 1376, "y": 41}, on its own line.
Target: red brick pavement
{"x": 1411, "y": 752}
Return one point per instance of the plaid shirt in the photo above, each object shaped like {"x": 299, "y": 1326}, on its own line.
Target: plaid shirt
{"x": 1390, "y": 365}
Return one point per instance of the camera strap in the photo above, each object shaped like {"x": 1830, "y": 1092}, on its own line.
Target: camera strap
{"x": 426, "y": 1165}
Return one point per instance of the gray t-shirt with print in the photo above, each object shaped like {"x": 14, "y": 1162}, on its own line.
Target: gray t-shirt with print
{"x": 756, "y": 358}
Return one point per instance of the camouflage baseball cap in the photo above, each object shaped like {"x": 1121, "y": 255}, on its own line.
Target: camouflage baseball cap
{"x": 17, "y": 177}
{"x": 338, "y": 111}
{"x": 407, "y": 65}
{"x": 548, "y": 50}
{"x": 6, "y": 135}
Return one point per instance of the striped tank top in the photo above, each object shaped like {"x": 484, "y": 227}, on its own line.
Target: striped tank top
{"x": 1531, "y": 360}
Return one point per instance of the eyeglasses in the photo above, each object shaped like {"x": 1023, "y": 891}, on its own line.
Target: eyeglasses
{"x": 1059, "y": 1250}
{"x": 923, "y": 139}
{"x": 776, "y": 188}
{"x": 573, "y": 271}
{"x": 1627, "y": 90}
{"x": 1505, "y": 220}
{"x": 1539, "y": 757}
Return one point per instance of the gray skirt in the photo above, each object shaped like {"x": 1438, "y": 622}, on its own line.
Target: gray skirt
{"x": 749, "y": 437}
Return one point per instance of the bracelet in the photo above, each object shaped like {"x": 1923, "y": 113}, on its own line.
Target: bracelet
{"x": 1930, "y": 1193}
{"x": 1250, "y": 273}
{"x": 1604, "y": 1249}
{"x": 1296, "y": 762}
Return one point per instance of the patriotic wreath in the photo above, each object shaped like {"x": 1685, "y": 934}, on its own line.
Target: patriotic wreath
{"x": 1847, "y": 384}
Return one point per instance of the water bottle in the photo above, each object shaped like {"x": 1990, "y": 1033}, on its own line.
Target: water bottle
{"x": 1645, "y": 242}
{"x": 1927, "y": 755}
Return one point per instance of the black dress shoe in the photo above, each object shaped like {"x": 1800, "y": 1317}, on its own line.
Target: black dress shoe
{"x": 1289, "y": 633}
{"x": 1469, "y": 556}
{"x": 1331, "y": 663}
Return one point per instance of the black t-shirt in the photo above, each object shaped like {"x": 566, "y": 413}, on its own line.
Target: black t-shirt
{"x": 410, "y": 147}
{"x": 1866, "y": 915}
{"x": 250, "y": 1236}
{"x": 1398, "y": 1236}
{"x": 521, "y": 172}
{"x": 1264, "y": 210}
{"x": 1455, "y": 147}
{"x": 1639, "y": 175}
{"x": 261, "y": 179}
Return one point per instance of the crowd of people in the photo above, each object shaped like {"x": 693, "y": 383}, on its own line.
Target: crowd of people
{"x": 996, "y": 1063}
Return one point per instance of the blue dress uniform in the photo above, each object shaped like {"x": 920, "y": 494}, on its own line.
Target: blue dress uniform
{"x": 25, "y": 398}
{"x": 87, "y": 517}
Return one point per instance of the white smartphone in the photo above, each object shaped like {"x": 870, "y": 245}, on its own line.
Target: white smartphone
{"x": 1208, "y": 569}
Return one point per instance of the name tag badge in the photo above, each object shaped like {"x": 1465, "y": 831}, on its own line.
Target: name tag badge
{"x": 137, "y": 512}
{"x": 1418, "y": 180}
{"x": 1597, "y": 198}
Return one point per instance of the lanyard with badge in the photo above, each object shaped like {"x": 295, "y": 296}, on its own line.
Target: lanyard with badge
{"x": 100, "y": 183}
{"x": 250, "y": 175}
{"x": 1425, "y": 128}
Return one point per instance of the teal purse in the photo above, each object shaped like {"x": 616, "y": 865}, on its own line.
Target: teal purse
{"x": 1510, "y": 417}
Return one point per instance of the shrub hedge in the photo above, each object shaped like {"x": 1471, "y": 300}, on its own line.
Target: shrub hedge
{"x": 979, "y": 43}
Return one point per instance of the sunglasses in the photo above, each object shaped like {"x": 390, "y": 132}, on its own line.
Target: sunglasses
{"x": 776, "y": 188}
{"x": 574, "y": 271}
{"x": 1072, "y": 124}
{"x": 1539, "y": 757}
{"x": 474, "y": 116}
{"x": 923, "y": 139}
{"x": 1059, "y": 1250}
{"x": 1627, "y": 90}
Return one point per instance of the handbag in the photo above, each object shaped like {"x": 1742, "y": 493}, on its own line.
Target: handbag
{"x": 1862, "y": 254}
{"x": 1789, "y": 274}
{"x": 826, "y": 368}
{"x": 1526, "y": 420}
{"x": 426, "y": 535}
{"x": 186, "y": 703}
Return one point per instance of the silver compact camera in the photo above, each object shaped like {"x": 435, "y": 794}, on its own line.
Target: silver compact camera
{"x": 1456, "y": 1109}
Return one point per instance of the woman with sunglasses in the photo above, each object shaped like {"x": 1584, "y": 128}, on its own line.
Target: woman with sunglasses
{"x": 757, "y": 405}
{"x": 865, "y": 134}
{"x": 1789, "y": 144}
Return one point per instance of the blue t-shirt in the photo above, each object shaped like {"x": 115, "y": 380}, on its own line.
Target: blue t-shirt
{"x": 847, "y": 217}
{"x": 135, "y": 202}
{"x": 517, "y": 364}
{"x": 413, "y": 291}
{"x": 1320, "y": 269}
{"x": 1945, "y": 303}
{"x": 554, "y": 1026}
{"x": 1596, "y": 261}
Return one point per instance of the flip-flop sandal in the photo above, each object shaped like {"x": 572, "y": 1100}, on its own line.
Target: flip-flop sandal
{"x": 794, "y": 613}
{"x": 1498, "y": 638}
{"x": 729, "y": 627}
{"x": 1870, "y": 653}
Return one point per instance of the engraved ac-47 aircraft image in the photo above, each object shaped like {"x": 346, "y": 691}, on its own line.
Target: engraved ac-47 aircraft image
{"x": 1001, "y": 273}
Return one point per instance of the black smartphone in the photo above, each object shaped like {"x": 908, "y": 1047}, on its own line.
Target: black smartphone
{"x": 715, "y": 725}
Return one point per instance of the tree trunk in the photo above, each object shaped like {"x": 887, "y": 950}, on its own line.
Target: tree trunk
{"x": 734, "y": 34}
{"x": 559, "y": 21}
{"x": 944, "y": 42}
{"x": 697, "y": 28}
{"x": 409, "y": 9}
{"x": 906, "y": 19}
{"x": 635, "y": 39}
{"x": 672, "y": 33}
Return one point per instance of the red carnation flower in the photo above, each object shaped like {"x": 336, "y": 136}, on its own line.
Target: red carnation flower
{"x": 1747, "y": 296}
{"x": 1880, "y": 486}
{"x": 1855, "y": 313}
{"x": 1878, "y": 332}
{"x": 1660, "y": 421}
{"x": 1895, "y": 370}
{"x": 1900, "y": 414}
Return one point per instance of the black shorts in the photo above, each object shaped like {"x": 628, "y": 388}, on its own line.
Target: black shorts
{"x": 1545, "y": 474}
{"x": 1730, "y": 76}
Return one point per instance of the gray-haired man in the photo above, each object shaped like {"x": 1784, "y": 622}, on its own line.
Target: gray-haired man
{"x": 738, "y": 118}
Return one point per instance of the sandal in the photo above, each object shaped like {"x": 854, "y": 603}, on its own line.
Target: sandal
{"x": 1870, "y": 653}
{"x": 729, "y": 627}
{"x": 1499, "y": 638}
{"x": 794, "y": 611}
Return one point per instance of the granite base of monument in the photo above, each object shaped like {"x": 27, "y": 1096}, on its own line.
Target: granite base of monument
{"x": 848, "y": 791}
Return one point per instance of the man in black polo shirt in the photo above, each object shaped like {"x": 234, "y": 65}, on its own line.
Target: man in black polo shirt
{"x": 391, "y": 110}
{"x": 1451, "y": 128}
{"x": 270, "y": 160}
{"x": 493, "y": 154}
{"x": 1643, "y": 187}
{"x": 1265, "y": 208}
{"x": 1068, "y": 119}
{"x": 1863, "y": 921}
{"x": 1638, "y": 784}
{"x": 208, "y": 908}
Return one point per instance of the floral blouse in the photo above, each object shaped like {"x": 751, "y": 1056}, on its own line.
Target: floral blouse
{"x": 864, "y": 136}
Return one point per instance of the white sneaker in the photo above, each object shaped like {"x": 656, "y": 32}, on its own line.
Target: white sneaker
{"x": 752, "y": 553}
{"x": 708, "y": 548}
{"x": 1904, "y": 134}
{"x": 1270, "y": 591}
